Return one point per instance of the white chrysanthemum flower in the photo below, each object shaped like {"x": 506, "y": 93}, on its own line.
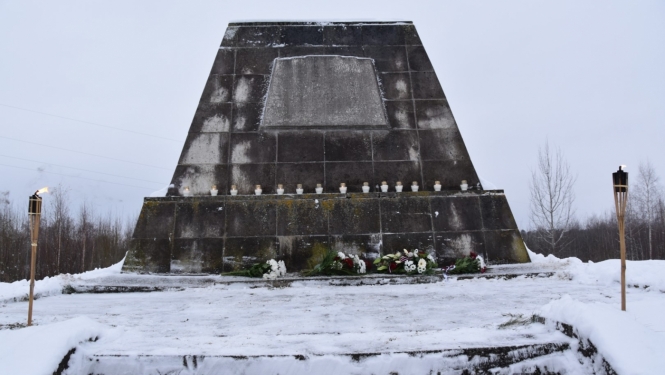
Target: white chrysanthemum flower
{"x": 481, "y": 261}
{"x": 413, "y": 267}
{"x": 422, "y": 263}
{"x": 273, "y": 265}
{"x": 421, "y": 269}
{"x": 341, "y": 255}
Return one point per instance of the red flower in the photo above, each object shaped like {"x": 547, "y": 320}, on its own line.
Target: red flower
{"x": 336, "y": 258}
{"x": 473, "y": 255}
{"x": 368, "y": 264}
{"x": 482, "y": 270}
{"x": 393, "y": 265}
{"x": 349, "y": 262}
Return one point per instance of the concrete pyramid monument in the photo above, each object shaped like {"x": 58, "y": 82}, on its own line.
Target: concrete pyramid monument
{"x": 300, "y": 103}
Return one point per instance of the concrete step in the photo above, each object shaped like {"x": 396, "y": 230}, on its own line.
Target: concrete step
{"x": 447, "y": 361}
{"x": 133, "y": 283}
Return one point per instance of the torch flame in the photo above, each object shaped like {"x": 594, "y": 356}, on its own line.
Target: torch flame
{"x": 42, "y": 190}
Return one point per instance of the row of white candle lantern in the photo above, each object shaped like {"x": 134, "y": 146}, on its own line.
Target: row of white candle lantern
{"x": 342, "y": 188}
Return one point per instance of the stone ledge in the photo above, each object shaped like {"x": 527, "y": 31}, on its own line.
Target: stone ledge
{"x": 322, "y": 196}
{"x": 319, "y": 23}
{"x": 133, "y": 283}
{"x": 471, "y": 360}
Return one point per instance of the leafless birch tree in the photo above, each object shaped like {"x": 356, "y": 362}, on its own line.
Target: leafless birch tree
{"x": 60, "y": 208}
{"x": 646, "y": 195}
{"x": 552, "y": 197}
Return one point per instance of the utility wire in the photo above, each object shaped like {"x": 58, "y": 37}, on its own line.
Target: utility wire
{"x": 80, "y": 169}
{"x": 84, "y": 178}
{"x": 90, "y": 123}
{"x": 85, "y": 153}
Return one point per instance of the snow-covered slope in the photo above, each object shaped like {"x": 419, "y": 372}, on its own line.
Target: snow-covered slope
{"x": 50, "y": 286}
{"x": 324, "y": 323}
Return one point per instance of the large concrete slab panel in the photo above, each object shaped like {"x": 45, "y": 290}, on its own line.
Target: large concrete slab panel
{"x": 324, "y": 91}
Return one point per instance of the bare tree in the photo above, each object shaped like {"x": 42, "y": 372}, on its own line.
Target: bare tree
{"x": 84, "y": 227}
{"x": 4, "y": 198}
{"x": 60, "y": 209}
{"x": 552, "y": 197}
{"x": 647, "y": 193}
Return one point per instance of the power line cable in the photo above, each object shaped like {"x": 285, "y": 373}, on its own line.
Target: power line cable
{"x": 89, "y": 123}
{"x": 84, "y": 178}
{"x": 80, "y": 169}
{"x": 85, "y": 153}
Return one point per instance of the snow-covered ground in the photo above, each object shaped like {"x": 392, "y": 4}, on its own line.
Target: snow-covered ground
{"x": 207, "y": 317}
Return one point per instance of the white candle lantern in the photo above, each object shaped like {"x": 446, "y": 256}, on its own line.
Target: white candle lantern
{"x": 384, "y": 187}
{"x": 464, "y": 186}
{"x": 414, "y": 186}
{"x": 186, "y": 192}
{"x": 258, "y": 190}
{"x": 299, "y": 189}
{"x": 234, "y": 190}
{"x": 437, "y": 185}
{"x": 342, "y": 188}
{"x": 365, "y": 187}
{"x": 319, "y": 189}
{"x": 280, "y": 189}
{"x": 399, "y": 186}
{"x": 214, "y": 191}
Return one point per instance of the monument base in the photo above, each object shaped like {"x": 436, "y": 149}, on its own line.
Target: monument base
{"x": 206, "y": 234}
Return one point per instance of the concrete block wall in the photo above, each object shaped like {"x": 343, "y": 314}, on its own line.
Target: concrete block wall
{"x": 224, "y": 233}
{"x": 258, "y": 124}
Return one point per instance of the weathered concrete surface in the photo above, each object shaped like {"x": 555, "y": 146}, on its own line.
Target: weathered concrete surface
{"x": 307, "y": 103}
{"x": 224, "y": 233}
{"x": 322, "y": 91}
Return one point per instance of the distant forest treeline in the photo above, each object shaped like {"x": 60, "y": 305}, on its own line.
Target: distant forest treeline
{"x": 69, "y": 242}
{"x": 598, "y": 238}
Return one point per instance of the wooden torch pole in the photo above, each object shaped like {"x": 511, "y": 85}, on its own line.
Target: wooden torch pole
{"x": 34, "y": 214}
{"x": 34, "y": 224}
{"x": 622, "y": 247}
{"x": 620, "y": 180}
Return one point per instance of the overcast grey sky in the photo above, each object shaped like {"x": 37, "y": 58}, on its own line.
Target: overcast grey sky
{"x": 588, "y": 75}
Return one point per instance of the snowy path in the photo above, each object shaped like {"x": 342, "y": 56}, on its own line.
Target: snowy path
{"x": 309, "y": 318}
{"x": 241, "y": 321}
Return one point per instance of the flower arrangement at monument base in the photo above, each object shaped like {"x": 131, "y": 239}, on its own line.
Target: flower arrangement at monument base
{"x": 406, "y": 262}
{"x": 340, "y": 264}
{"x": 269, "y": 270}
{"x": 473, "y": 263}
